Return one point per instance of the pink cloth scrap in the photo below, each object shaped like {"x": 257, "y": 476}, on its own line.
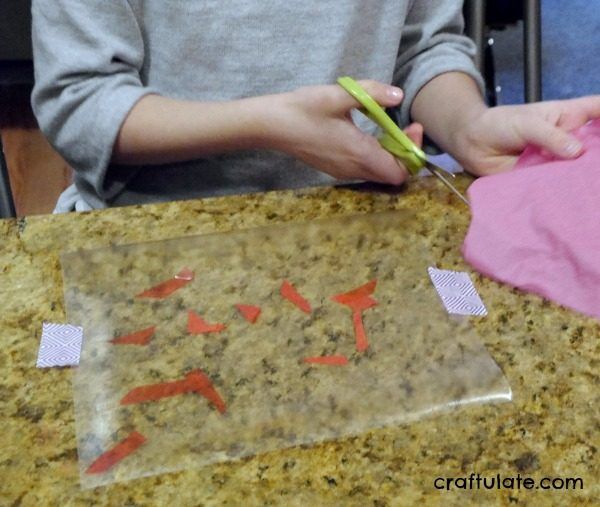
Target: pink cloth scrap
{"x": 537, "y": 227}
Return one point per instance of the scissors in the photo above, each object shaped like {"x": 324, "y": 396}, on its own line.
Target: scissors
{"x": 393, "y": 139}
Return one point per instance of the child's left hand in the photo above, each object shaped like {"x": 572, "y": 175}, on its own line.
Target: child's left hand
{"x": 491, "y": 141}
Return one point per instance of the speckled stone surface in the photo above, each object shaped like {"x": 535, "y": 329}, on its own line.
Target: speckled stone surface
{"x": 549, "y": 355}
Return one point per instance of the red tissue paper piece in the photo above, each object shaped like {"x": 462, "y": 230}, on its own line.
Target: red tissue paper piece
{"x": 154, "y": 392}
{"x": 167, "y": 288}
{"x": 328, "y": 360}
{"x": 536, "y": 227}
{"x": 358, "y": 300}
{"x": 120, "y": 451}
{"x": 138, "y": 338}
{"x": 194, "y": 382}
{"x": 249, "y": 312}
{"x": 202, "y": 385}
{"x": 291, "y": 294}
{"x": 197, "y": 325}
{"x": 362, "y": 343}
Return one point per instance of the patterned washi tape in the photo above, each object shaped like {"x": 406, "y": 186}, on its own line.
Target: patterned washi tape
{"x": 457, "y": 292}
{"x": 60, "y": 345}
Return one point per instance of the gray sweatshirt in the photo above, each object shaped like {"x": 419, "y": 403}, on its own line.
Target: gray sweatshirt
{"x": 95, "y": 59}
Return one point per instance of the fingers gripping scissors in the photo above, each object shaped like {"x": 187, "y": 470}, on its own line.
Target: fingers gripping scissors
{"x": 393, "y": 139}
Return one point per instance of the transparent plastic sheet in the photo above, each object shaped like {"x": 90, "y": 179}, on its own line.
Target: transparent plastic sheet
{"x": 419, "y": 361}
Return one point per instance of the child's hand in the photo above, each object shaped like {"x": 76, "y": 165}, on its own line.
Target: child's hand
{"x": 314, "y": 125}
{"x": 491, "y": 141}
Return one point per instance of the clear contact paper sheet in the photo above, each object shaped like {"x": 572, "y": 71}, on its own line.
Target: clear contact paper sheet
{"x": 232, "y": 361}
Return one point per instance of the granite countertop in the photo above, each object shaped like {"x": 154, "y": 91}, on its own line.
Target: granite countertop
{"x": 548, "y": 354}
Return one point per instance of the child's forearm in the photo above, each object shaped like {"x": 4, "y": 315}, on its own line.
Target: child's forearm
{"x": 445, "y": 106}
{"x": 311, "y": 124}
{"x": 161, "y": 130}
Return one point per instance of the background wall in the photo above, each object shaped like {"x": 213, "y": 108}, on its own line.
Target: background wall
{"x": 15, "y": 30}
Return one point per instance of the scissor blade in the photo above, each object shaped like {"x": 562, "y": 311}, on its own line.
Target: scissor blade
{"x": 437, "y": 172}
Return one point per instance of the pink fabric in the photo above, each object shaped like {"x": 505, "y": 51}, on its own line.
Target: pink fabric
{"x": 538, "y": 227}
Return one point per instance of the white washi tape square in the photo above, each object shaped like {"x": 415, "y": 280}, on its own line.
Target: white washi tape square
{"x": 457, "y": 292}
{"x": 60, "y": 345}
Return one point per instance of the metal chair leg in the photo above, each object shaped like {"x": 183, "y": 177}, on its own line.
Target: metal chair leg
{"x": 475, "y": 22}
{"x": 489, "y": 74}
{"x": 7, "y": 204}
{"x": 532, "y": 33}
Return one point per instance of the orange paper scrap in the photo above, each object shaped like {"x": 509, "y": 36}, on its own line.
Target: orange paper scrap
{"x": 138, "y": 338}
{"x": 167, "y": 288}
{"x": 359, "y": 300}
{"x": 358, "y": 294}
{"x": 154, "y": 392}
{"x": 197, "y": 325}
{"x": 362, "y": 343}
{"x": 249, "y": 312}
{"x": 289, "y": 292}
{"x": 194, "y": 382}
{"x": 120, "y": 451}
{"x": 201, "y": 384}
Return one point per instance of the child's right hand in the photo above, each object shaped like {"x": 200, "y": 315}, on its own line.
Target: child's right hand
{"x": 313, "y": 124}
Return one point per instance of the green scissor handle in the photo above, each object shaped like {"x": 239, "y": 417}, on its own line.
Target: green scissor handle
{"x": 393, "y": 139}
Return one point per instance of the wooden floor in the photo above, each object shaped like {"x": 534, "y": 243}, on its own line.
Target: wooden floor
{"x": 37, "y": 173}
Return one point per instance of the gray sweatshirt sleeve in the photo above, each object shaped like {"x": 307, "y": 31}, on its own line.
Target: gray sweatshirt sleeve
{"x": 88, "y": 55}
{"x": 432, "y": 44}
